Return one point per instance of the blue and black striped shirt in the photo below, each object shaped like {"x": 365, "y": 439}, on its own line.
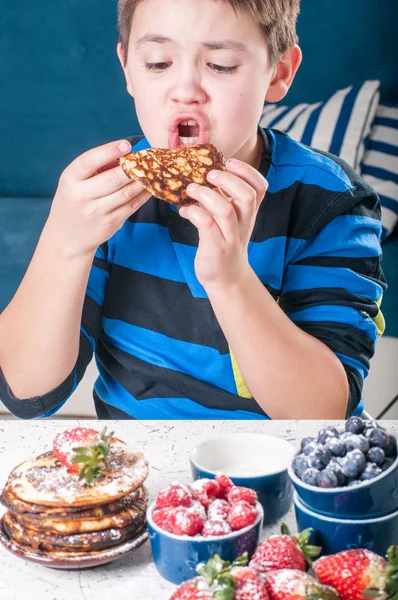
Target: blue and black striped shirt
{"x": 160, "y": 351}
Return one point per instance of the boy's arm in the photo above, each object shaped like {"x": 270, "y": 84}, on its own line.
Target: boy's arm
{"x": 308, "y": 356}
{"x": 77, "y": 322}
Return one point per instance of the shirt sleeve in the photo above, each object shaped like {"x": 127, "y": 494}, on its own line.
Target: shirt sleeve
{"x": 90, "y": 330}
{"x": 333, "y": 283}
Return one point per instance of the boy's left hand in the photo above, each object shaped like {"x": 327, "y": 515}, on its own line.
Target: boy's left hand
{"x": 225, "y": 225}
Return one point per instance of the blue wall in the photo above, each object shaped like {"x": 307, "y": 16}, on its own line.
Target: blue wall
{"x": 62, "y": 89}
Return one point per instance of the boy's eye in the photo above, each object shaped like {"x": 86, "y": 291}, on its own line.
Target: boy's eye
{"x": 221, "y": 69}
{"x": 157, "y": 67}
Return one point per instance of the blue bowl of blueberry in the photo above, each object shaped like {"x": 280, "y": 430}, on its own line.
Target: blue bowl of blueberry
{"x": 350, "y": 473}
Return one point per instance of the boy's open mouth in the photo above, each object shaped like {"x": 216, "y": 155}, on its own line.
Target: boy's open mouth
{"x": 185, "y": 131}
{"x": 188, "y": 132}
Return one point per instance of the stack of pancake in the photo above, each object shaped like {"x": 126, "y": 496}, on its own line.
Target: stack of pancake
{"x": 53, "y": 513}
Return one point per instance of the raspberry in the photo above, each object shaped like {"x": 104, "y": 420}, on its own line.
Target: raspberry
{"x": 215, "y": 527}
{"x": 205, "y": 490}
{"x": 242, "y": 514}
{"x": 241, "y": 493}
{"x": 198, "y": 507}
{"x": 174, "y": 495}
{"x": 162, "y": 518}
{"x": 184, "y": 521}
{"x": 218, "y": 509}
{"x": 225, "y": 485}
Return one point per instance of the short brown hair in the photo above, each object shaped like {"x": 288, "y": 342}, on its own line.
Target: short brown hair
{"x": 277, "y": 18}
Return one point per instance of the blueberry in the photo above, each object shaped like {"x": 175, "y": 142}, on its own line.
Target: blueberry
{"x": 327, "y": 479}
{"x": 327, "y": 432}
{"x": 368, "y": 424}
{"x": 299, "y": 464}
{"x": 336, "y": 447}
{"x": 353, "y": 463}
{"x": 353, "y": 482}
{"x": 370, "y": 472}
{"x": 320, "y": 458}
{"x": 354, "y": 425}
{"x": 387, "y": 464}
{"x": 305, "y": 441}
{"x": 356, "y": 442}
{"x": 311, "y": 447}
{"x": 391, "y": 449}
{"x": 336, "y": 469}
{"x": 375, "y": 455}
{"x": 310, "y": 476}
{"x": 377, "y": 437}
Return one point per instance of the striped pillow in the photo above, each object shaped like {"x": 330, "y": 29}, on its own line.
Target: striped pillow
{"x": 339, "y": 125}
{"x": 380, "y": 164}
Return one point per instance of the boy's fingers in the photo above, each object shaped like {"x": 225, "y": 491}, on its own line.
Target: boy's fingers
{"x": 221, "y": 209}
{"x": 106, "y": 182}
{"x": 249, "y": 174}
{"x": 90, "y": 162}
{"x": 125, "y": 210}
{"x": 128, "y": 194}
{"x": 208, "y": 229}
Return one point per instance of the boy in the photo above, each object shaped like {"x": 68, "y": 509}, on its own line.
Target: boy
{"x": 263, "y": 305}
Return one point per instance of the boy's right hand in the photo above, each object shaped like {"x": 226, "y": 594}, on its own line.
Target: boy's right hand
{"x": 94, "y": 198}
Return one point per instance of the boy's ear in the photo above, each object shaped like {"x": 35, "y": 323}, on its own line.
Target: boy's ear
{"x": 285, "y": 72}
{"x": 120, "y": 53}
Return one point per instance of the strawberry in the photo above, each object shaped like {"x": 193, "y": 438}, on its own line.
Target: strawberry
{"x": 218, "y": 509}
{"x": 82, "y": 450}
{"x": 174, "y": 495}
{"x": 291, "y": 584}
{"x": 205, "y": 490}
{"x": 225, "y": 485}
{"x": 284, "y": 552}
{"x": 64, "y": 443}
{"x": 195, "y": 589}
{"x": 241, "y": 493}
{"x": 360, "y": 573}
{"x": 241, "y": 515}
{"x": 248, "y": 585}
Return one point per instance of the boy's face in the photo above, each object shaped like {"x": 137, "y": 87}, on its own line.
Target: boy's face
{"x": 191, "y": 60}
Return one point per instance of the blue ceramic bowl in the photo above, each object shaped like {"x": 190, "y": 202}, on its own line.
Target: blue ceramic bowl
{"x": 335, "y": 535}
{"x": 371, "y": 499}
{"x": 254, "y": 461}
{"x": 176, "y": 557}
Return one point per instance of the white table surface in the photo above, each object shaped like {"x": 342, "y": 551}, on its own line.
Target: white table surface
{"x": 166, "y": 445}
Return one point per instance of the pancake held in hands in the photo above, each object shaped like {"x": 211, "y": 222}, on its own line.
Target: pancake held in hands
{"x": 167, "y": 172}
{"x": 86, "y": 496}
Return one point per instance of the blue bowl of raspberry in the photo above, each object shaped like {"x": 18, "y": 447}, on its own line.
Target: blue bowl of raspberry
{"x": 350, "y": 473}
{"x": 188, "y": 524}
{"x": 251, "y": 460}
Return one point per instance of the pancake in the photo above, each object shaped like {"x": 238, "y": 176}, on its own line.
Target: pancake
{"x": 45, "y": 481}
{"x": 167, "y": 172}
{"x": 71, "y": 526}
{"x": 37, "y": 511}
{"x": 83, "y": 542}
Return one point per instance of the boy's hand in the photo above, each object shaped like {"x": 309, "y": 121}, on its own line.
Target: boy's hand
{"x": 225, "y": 226}
{"x": 93, "y": 199}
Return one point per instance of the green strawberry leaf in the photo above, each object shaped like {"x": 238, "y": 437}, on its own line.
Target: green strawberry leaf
{"x": 285, "y": 529}
{"x": 241, "y": 561}
{"x": 225, "y": 594}
{"x": 304, "y": 536}
{"x": 312, "y": 551}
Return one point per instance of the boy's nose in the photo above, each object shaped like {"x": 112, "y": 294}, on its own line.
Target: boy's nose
{"x": 187, "y": 90}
